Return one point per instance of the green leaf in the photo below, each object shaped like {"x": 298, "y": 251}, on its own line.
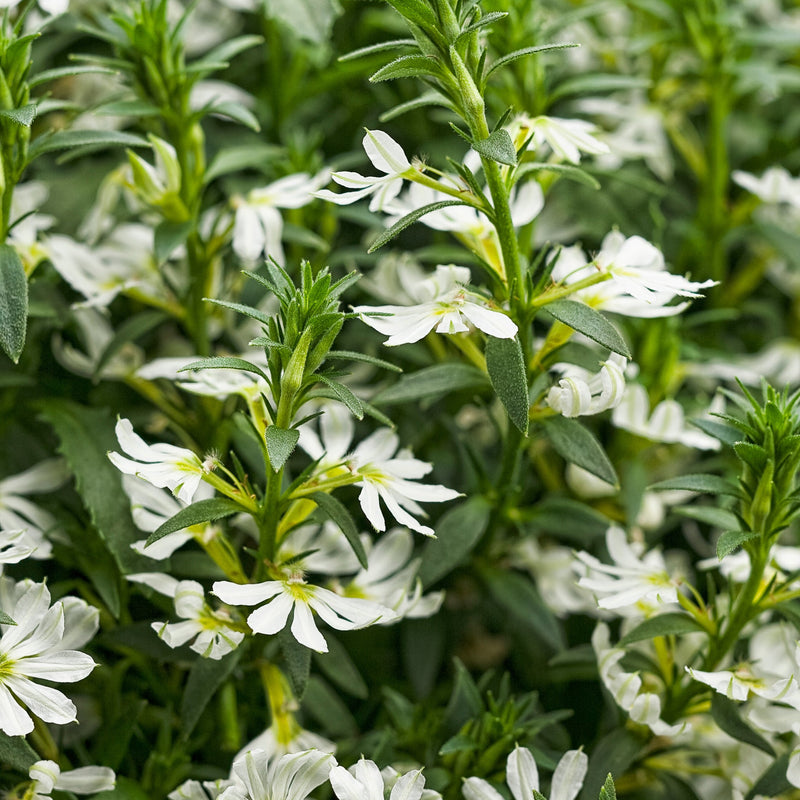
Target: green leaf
{"x": 336, "y": 512}
{"x": 16, "y": 753}
{"x": 410, "y": 219}
{"x": 354, "y": 355}
{"x": 726, "y": 714}
{"x": 732, "y": 540}
{"x": 5, "y": 619}
{"x": 608, "y": 790}
{"x": 202, "y": 511}
{"x": 340, "y": 669}
{"x": 127, "y": 108}
{"x": 711, "y": 515}
{"x": 486, "y": 19}
{"x": 457, "y": 532}
{"x": 329, "y": 710}
{"x": 668, "y": 624}
{"x": 465, "y": 699}
{"x": 298, "y": 661}
{"x": 429, "y": 98}
{"x": 25, "y": 115}
{"x": 13, "y": 303}
{"x": 525, "y": 51}
{"x": 614, "y": 753}
{"x": 65, "y": 72}
{"x": 125, "y": 789}
{"x": 773, "y": 780}
{"x": 724, "y": 433}
{"x": 431, "y": 382}
{"x": 311, "y": 20}
{"x": 225, "y": 362}
{"x": 130, "y": 330}
{"x": 85, "y": 437}
{"x": 699, "y": 482}
{"x": 497, "y": 146}
{"x": 280, "y": 444}
{"x": 506, "y": 367}
{"x": 235, "y": 159}
{"x": 344, "y": 395}
{"x": 377, "y": 48}
{"x": 569, "y": 171}
{"x": 235, "y": 111}
{"x": 576, "y": 444}
{"x": 67, "y": 140}
{"x": 411, "y": 66}
{"x": 585, "y": 523}
{"x": 460, "y": 743}
{"x": 232, "y": 47}
{"x": 248, "y": 311}
{"x": 589, "y": 322}
{"x": 168, "y": 237}
{"x": 205, "y": 678}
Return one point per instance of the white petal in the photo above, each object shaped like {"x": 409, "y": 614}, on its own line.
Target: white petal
{"x": 305, "y": 631}
{"x": 385, "y": 153}
{"x": 87, "y": 780}
{"x": 521, "y": 773}
{"x": 271, "y": 617}
{"x": 569, "y": 775}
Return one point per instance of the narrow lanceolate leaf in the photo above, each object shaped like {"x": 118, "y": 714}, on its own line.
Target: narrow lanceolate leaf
{"x": 525, "y": 51}
{"x": 700, "y": 482}
{"x": 576, "y": 444}
{"x": 336, "y": 512}
{"x": 506, "y": 368}
{"x": 344, "y": 395}
{"x": 410, "y": 219}
{"x": 669, "y": 624}
{"x": 430, "y": 382}
{"x": 411, "y": 66}
{"x": 237, "y": 112}
{"x": 726, "y": 434}
{"x": 202, "y": 511}
{"x": 711, "y": 515}
{"x": 248, "y": 311}
{"x": 497, "y": 146}
{"x": 589, "y": 322}
{"x": 205, "y": 677}
{"x": 65, "y": 72}
{"x": 25, "y": 115}
{"x": 13, "y": 303}
{"x": 732, "y": 540}
{"x": 377, "y": 48}
{"x": 484, "y": 21}
{"x": 354, "y": 355}
{"x": 66, "y": 140}
{"x": 569, "y": 171}
{"x": 280, "y": 444}
{"x": 225, "y": 362}
{"x": 726, "y": 714}
{"x": 340, "y": 669}
{"x": 457, "y": 533}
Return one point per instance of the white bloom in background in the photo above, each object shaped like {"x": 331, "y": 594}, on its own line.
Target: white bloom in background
{"x": 17, "y": 512}
{"x": 388, "y": 475}
{"x": 258, "y": 225}
{"x": 775, "y": 185}
{"x": 31, "y": 650}
{"x": 522, "y": 777}
{"x": 291, "y": 777}
{"x": 364, "y": 781}
{"x": 643, "y": 707}
{"x": 211, "y": 630}
{"x": 332, "y": 553}
{"x": 194, "y": 790}
{"x": 273, "y": 745}
{"x": 738, "y": 683}
{"x": 666, "y": 423}
{"x": 783, "y": 560}
{"x": 293, "y": 594}
{"x": 388, "y": 157}
{"x": 632, "y": 580}
{"x": 163, "y": 465}
{"x": 47, "y": 775}
{"x": 15, "y": 546}
{"x": 579, "y": 393}
{"x": 336, "y": 430}
{"x": 567, "y": 138}
{"x": 27, "y": 224}
{"x": 446, "y": 304}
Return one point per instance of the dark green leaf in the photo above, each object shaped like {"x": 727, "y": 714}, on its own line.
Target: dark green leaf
{"x": 726, "y": 714}
{"x": 339, "y": 668}
{"x": 327, "y": 707}
{"x": 525, "y": 51}
{"x": 335, "y": 511}
{"x": 457, "y": 532}
{"x": 235, "y": 159}
{"x": 410, "y": 219}
{"x": 668, "y": 624}
{"x": 506, "y": 368}
{"x": 486, "y": 19}
{"x": 353, "y": 355}
{"x": 614, "y": 753}
{"x": 280, "y": 444}
{"x": 16, "y": 753}
{"x": 431, "y": 382}
{"x": 498, "y": 146}
{"x": 25, "y": 115}
{"x": 13, "y": 303}
{"x": 248, "y": 311}
{"x": 711, "y": 515}
{"x": 130, "y": 330}
{"x": 731, "y": 540}
{"x": 576, "y": 444}
{"x": 725, "y": 433}
{"x": 411, "y": 66}
{"x": 460, "y": 743}
{"x": 377, "y": 48}
{"x": 125, "y": 108}
{"x": 585, "y": 523}
{"x": 202, "y": 511}
{"x": 465, "y": 699}
{"x": 699, "y": 482}
{"x": 66, "y": 140}
{"x": 298, "y": 661}
{"x": 225, "y": 362}
{"x": 569, "y": 171}
{"x": 169, "y": 236}
{"x": 589, "y": 322}
{"x": 344, "y": 395}
{"x": 205, "y": 677}
{"x": 235, "y": 111}
{"x": 65, "y": 72}
{"x": 773, "y": 780}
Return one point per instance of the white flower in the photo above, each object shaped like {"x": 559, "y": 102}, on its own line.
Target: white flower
{"x": 447, "y": 303}
{"x": 336, "y": 429}
{"x": 17, "y": 512}
{"x": 27, "y": 223}
{"x": 291, "y": 777}
{"x": 331, "y": 553}
{"x": 258, "y": 226}
{"x": 632, "y": 580}
{"x": 364, "y": 781}
{"x": 579, "y": 393}
{"x": 392, "y": 478}
{"x": 667, "y": 423}
{"x": 194, "y": 790}
{"x": 294, "y": 594}
{"x": 388, "y": 157}
{"x": 275, "y": 745}
{"x": 163, "y": 465}
{"x": 211, "y": 630}
{"x": 567, "y": 138}
{"x": 47, "y": 775}
{"x": 31, "y": 650}
{"x": 738, "y": 683}
{"x": 522, "y": 777}
{"x": 775, "y": 185}
{"x": 15, "y": 546}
